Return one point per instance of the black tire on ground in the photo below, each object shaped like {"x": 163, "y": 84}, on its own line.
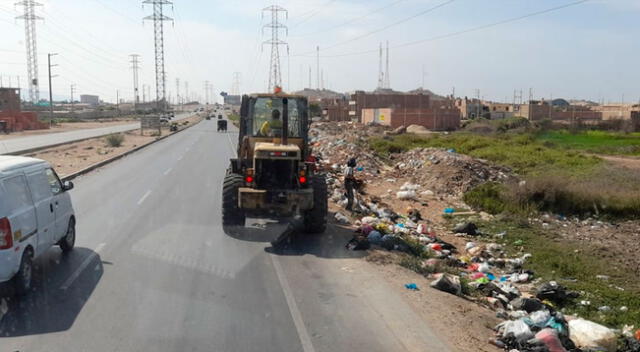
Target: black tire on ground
{"x": 232, "y": 215}
{"x": 315, "y": 220}
{"x": 69, "y": 240}
{"x": 24, "y": 276}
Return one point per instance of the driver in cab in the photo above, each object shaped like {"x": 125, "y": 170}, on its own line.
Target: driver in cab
{"x": 272, "y": 126}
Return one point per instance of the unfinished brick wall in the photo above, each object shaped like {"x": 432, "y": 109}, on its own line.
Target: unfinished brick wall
{"x": 432, "y": 119}
{"x": 20, "y": 121}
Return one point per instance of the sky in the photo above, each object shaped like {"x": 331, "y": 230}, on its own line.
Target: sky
{"x": 486, "y": 47}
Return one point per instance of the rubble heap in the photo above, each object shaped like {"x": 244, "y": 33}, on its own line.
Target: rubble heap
{"x": 444, "y": 171}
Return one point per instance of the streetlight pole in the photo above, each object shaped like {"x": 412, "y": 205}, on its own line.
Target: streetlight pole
{"x": 50, "y": 89}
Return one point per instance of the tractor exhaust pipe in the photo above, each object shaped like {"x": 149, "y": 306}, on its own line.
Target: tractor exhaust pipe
{"x": 285, "y": 121}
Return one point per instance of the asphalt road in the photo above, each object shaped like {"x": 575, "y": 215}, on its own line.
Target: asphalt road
{"x": 153, "y": 271}
{"x": 15, "y": 145}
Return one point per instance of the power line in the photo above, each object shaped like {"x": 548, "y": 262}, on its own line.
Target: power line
{"x": 356, "y": 19}
{"x": 313, "y": 13}
{"x": 421, "y": 13}
{"x": 465, "y": 31}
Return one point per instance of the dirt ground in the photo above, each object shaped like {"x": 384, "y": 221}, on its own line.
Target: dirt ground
{"x": 628, "y": 162}
{"x": 68, "y": 126}
{"x": 73, "y": 157}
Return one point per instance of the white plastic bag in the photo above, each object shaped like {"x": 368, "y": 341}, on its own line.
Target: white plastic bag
{"x": 409, "y": 187}
{"x": 411, "y": 194}
{"x": 516, "y": 328}
{"x": 587, "y": 334}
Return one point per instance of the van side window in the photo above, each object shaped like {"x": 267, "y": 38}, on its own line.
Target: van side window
{"x": 39, "y": 184}
{"x": 17, "y": 192}
{"x": 54, "y": 181}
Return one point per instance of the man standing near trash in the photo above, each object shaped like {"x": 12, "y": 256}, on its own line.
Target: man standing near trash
{"x": 350, "y": 182}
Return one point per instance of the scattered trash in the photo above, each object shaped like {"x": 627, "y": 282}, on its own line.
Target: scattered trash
{"x": 527, "y": 304}
{"x": 587, "y": 334}
{"x": 412, "y": 286}
{"x": 407, "y": 195}
{"x": 549, "y": 338}
{"x": 468, "y": 228}
{"x": 448, "y": 283}
{"x": 554, "y": 292}
{"x": 341, "y": 218}
{"x": 449, "y": 210}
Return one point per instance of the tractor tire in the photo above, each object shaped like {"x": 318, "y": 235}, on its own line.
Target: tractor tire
{"x": 315, "y": 220}
{"x": 232, "y": 215}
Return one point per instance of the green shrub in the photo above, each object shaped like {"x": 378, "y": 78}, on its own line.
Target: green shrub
{"x": 487, "y": 196}
{"x": 115, "y": 140}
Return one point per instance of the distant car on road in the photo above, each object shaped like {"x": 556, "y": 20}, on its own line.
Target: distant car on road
{"x": 219, "y": 116}
{"x": 35, "y": 214}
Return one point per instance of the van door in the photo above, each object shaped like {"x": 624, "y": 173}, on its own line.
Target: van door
{"x": 45, "y": 212}
{"x": 21, "y": 213}
{"x": 61, "y": 204}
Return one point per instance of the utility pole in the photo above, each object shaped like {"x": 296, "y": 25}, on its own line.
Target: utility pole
{"x": 530, "y": 95}
{"x": 478, "y": 104}
{"x": 380, "y": 73}
{"x": 206, "y": 92}
{"x": 235, "y": 86}
{"x": 135, "y": 67}
{"x": 179, "y": 101}
{"x": 158, "y": 24}
{"x": 423, "y": 74}
{"x": 186, "y": 91}
{"x": 73, "y": 88}
{"x": 30, "y": 20}
{"x": 310, "y": 77}
{"x": 318, "y": 67}
{"x": 50, "y": 89}
{"x": 117, "y": 102}
{"x": 387, "y": 82}
{"x": 275, "y": 75}
{"x": 144, "y": 93}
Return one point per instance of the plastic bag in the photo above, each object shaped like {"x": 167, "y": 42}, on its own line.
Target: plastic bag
{"x": 407, "y": 186}
{"x": 587, "y": 334}
{"x": 407, "y": 195}
{"x": 517, "y": 329}
{"x": 448, "y": 283}
{"x": 538, "y": 318}
{"x": 549, "y": 338}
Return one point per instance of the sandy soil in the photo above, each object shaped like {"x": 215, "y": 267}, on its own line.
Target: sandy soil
{"x": 68, "y": 126}
{"x": 73, "y": 157}
{"x": 628, "y": 162}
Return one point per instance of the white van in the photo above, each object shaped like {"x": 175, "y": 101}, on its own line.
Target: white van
{"x": 35, "y": 214}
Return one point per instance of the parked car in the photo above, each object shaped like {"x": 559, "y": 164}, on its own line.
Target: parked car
{"x": 35, "y": 214}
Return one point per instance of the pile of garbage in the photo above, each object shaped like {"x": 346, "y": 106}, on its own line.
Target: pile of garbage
{"x": 445, "y": 171}
{"x": 532, "y": 321}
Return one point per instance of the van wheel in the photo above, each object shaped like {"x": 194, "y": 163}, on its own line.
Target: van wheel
{"x": 69, "y": 240}
{"x": 25, "y": 274}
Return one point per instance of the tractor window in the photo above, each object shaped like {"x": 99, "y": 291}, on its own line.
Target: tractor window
{"x": 267, "y": 117}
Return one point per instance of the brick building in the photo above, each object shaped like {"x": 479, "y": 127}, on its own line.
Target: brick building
{"x": 541, "y": 110}
{"x": 12, "y": 119}
{"x": 335, "y": 109}
{"x": 441, "y": 115}
{"x": 364, "y": 100}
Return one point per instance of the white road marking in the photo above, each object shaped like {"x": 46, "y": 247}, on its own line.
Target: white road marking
{"x": 307, "y": 346}
{"x": 82, "y": 266}
{"x": 144, "y": 197}
{"x": 168, "y": 171}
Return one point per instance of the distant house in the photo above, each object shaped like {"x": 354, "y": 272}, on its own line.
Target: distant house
{"x": 92, "y": 100}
